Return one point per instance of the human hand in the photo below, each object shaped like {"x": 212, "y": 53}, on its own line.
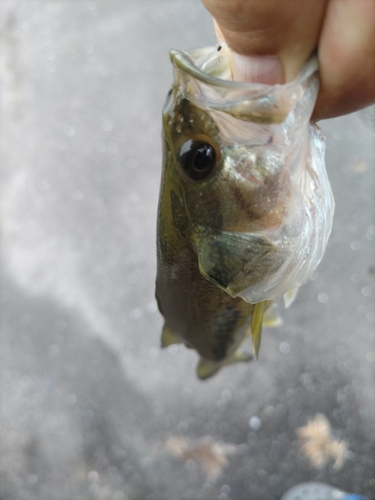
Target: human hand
{"x": 287, "y": 32}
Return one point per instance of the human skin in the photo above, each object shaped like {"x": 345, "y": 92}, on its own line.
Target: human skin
{"x": 278, "y": 36}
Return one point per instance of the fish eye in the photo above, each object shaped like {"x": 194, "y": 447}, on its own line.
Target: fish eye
{"x": 198, "y": 159}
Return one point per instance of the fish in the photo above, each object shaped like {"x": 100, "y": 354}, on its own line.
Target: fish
{"x": 245, "y": 206}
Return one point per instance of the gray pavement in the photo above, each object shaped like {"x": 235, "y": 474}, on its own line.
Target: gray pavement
{"x": 91, "y": 408}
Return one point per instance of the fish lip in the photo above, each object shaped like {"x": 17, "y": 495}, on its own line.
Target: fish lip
{"x": 187, "y": 61}
{"x": 246, "y": 101}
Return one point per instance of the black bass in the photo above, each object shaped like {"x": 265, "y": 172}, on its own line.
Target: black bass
{"x": 245, "y": 208}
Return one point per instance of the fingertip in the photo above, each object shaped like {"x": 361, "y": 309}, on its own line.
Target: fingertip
{"x": 267, "y": 70}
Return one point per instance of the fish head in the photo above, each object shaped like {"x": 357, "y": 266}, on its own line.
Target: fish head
{"x": 225, "y": 191}
{"x": 225, "y": 181}
{"x": 246, "y": 177}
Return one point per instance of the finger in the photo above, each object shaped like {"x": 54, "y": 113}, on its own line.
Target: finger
{"x": 218, "y": 33}
{"x": 346, "y": 58}
{"x": 287, "y": 29}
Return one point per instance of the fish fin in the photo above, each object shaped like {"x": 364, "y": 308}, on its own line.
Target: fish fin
{"x": 248, "y": 331}
{"x": 206, "y": 369}
{"x": 290, "y": 296}
{"x": 168, "y": 338}
{"x": 235, "y": 261}
{"x": 239, "y": 357}
{"x": 272, "y": 318}
{"x": 256, "y": 326}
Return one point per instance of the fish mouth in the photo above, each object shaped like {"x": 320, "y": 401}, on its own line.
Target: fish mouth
{"x": 206, "y": 77}
{"x": 211, "y": 66}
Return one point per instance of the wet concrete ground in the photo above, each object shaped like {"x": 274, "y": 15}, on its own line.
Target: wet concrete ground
{"x": 91, "y": 408}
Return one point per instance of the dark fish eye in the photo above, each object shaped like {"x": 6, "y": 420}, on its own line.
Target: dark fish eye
{"x": 198, "y": 159}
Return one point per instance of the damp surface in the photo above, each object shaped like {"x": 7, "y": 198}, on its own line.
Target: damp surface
{"x": 91, "y": 408}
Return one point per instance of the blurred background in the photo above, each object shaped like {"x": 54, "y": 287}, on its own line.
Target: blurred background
{"x": 91, "y": 408}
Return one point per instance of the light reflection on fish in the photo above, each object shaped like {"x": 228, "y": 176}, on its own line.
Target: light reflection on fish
{"x": 245, "y": 207}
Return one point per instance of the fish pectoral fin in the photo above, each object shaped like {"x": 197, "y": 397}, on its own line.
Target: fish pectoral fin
{"x": 235, "y": 261}
{"x": 290, "y": 296}
{"x": 272, "y": 318}
{"x": 256, "y": 326}
{"x": 168, "y": 338}
{"x": 206, "y": 368}
{"x": 239, "y": 357}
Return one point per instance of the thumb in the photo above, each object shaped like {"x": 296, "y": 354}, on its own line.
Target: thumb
{"x": 271, "y": 39}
